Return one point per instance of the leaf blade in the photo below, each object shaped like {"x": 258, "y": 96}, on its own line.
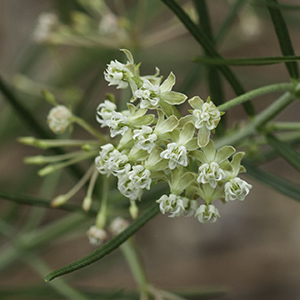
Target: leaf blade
{"x": 285, "y": 151}
{"x": 283, "y": 36}
{"x": 108, "y": 247}
{"x": 251, "y": 61}
{"x": 281, "y": 185}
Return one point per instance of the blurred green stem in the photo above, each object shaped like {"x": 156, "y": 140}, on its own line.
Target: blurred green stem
{"x": 130, "y": 251}
{"x": 89, "y": 128}
{"x": 289, "y": 87}
{"x": 266, "y": 115}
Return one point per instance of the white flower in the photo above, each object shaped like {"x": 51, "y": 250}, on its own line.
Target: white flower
{"x": 96, "y": 236}
{"x": 207, "y": 213}
{"x": 149, "y": 93}
{"x": 111, "y": 161}
{"x": 173, "y": 204}
{"x": 236, "y": 189}
{"x": 104, "y": 112}
{"x": 210, "y": 173}
{"x": 115, "y": 74}
{"x": 207, "y": 116}
{"x": 177, "y": 155}
{"x": 59, "y": 118}
{"x": 118, "y": 225}
{"x": 117, "y": 124}
{"x": 108, "y": 24}
{"x": 145, "y": 138}
{"x": 45, "y": 26}
{"x": 132, "y": 183}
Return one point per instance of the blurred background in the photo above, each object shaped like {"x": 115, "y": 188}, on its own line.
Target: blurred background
{"x": 252, "y": 251}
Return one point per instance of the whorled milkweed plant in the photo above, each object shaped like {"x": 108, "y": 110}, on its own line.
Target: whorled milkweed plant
{"x": 160, "y": 151}
{"x": 148, "y": 143}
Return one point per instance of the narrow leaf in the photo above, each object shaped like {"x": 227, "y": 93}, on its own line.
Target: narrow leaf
{"x": 38, "y": 202}
{"x": 285, "y": 151}
{"x": 283, "y": 37}
{"x": 281, "y": 185}
{"x": 209, "y": 47}
{"x": 252, "y": 61}
{"x": 109, "y": 246}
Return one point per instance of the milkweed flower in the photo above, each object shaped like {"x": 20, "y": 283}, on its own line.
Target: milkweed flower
{"x": 211, "y": 173}
{"x": 207, "y": 213}
{"x": 236, "y": 189}
{"x": 117, "y": 74}
{"x": 59, "y": 118}
{"x": 96, "y": 236}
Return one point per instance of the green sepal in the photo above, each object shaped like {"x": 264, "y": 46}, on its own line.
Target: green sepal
{"x": 196, "y": 102}
{"x": 187, "y": 133}
{"x": 168, "y": 84}
{"x": 173, "y": 98}
{"x": 203, "y": 136}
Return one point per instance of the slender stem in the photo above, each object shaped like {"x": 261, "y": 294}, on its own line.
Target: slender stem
{"x": 255, "y": 93}
{"x": 61, "y": 199}
{"x": 284, "y": 126}
{"x": 59, "y": 285}
{"x": 266, "y": 115}
{"x": 51, "y": 168}
{"x": 40, "y": 159}
{"x": 101, "y": 217}
{"x": 89, "y": 128}
{"x": 129, "y": 250}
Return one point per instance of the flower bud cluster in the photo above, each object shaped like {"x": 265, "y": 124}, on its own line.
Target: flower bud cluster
{"x": 153, "y": 143}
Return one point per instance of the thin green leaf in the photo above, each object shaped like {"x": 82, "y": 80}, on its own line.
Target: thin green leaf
{"x": 285, "y": 151}
{"x": 283, "y": 37}
{"x": 281, "y": 185}
{"x": 109, "y": 246}
{"x": 278, "y": 5}
{"x": 209, "y": 47}
{"x": 253, "y": 61}
{"x": 23, "y": 112}
{"x": 229, "y": 20}
{"x": 32, "y": 122}
{"x": 32, "y": 201}
{"x": 214, "y": 80}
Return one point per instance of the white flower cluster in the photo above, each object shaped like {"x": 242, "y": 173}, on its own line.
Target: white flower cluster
{"x": 166, "y": 146}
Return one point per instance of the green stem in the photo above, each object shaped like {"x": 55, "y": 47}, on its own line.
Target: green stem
{"x": 30, "y": 241}
{"x": 101, "y": 217}
{"x": 60, "y": 285}
{"x": 53, "y": 167}
{"x": 89, "y": 128}
{"x": 130, "y": 251}
{"x": 266, "y": 115}
{"x": 46, "y": 144}
{"x": 289, "y": 87}
{"x": 284, "y": 126}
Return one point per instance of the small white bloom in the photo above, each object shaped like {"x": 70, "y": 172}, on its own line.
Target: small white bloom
{"x": 149, "y": 94}
{"x": 210, "y": 173}
{"x": 208, "y": 116}
{"x": 176, "y": 154}
{"x": 118, "y": 225}
{"x": 173, "y": 204}
{"x": 207, "y": 213}
{"x": 108, "y": 24}
{"x": 132, "y": 183}
{"x": 111, "y": 161}
{"x": 236, "y": 189}
{"x": 96, "y": 236}
{"x": 145, "y": 138}
{"x": 117, "y": 124}
{"x": 45, "y": 26}
{"x": 104, "y": 112}
{"x": 116, "y": 74}
{"x": 59, "y": 118}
